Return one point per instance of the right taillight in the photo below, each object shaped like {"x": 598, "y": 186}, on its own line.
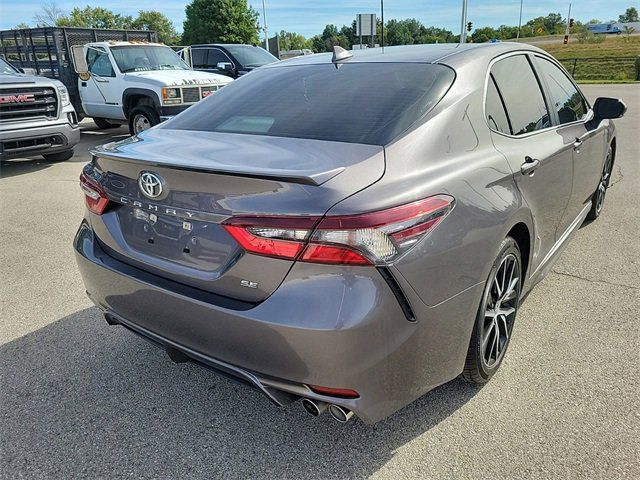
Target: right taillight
{"x": 94, "y": 196}
{"x": 374, "y": 238}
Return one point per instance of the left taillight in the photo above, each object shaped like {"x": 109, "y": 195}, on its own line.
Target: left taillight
{"x": 374, "y": 238}
{"x": 94, "y": 195}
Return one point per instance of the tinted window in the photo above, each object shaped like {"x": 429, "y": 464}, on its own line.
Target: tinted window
{"x": 494, "y": 109}
{"x": 520, "y": 90}
{"x": 358, "y": 103}
{"x": 99, "y": 63}
{"x": 250, "y": 56}
{"x": 216, "y": 56}
{"x": 567, "y": 100}
{"x": 199, "y": 58}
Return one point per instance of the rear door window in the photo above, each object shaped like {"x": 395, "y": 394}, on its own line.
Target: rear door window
{"x": 567, "y": 100}
{"x": 199, "y": 57}
{"x": 495, "y": 110}
{"x": 523, "y": 99}
{"x": 369, "y": 103}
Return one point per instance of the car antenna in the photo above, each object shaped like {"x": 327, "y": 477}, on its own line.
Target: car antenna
{"x": 340, "y": 54}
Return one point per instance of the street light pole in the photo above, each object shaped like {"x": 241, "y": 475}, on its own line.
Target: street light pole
{"x": 520, "y": 20}
{"x": 463, "y": 23}
{"x": 382, "y": 29}
{"x": 266, "y": 35}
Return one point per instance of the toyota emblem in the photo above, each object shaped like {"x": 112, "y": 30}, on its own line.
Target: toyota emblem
{"x": 150, "y": 184}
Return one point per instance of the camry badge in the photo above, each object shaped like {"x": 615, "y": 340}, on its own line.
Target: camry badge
{"x": 150, "y": 184}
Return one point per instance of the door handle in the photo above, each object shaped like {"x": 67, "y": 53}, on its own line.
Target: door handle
{"x": 577, "y": 144}
{"x": 529, "y": 165}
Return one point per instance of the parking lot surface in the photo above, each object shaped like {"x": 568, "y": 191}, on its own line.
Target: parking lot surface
{"x": 81, "y": 399}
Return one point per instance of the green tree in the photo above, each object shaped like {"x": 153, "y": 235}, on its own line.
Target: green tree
{"x": 225, "y": 21}
{"x": 484, "y": 34}
{"x": 630, "y": 15}
{"x": 293, "y": 41}
{"x": 554, "y": 23}
{"x": 158, "y": 22}
{"x": 21, "y": 25}
{"x": 94, "y": 17}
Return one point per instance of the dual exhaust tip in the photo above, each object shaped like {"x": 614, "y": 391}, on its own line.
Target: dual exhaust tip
{"x": 316, "y": 407}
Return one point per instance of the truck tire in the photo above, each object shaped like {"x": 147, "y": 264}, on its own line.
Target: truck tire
{"x": 104, "y": 124}
{"x": 142, "y": 118}
{"x": 58, "y": 157}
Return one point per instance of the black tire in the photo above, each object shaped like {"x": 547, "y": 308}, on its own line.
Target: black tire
{"x": 597, "y": 200}
{"x": 59, "y": 157}
{"x": 480, "y": 364}
{"x": 104, "y": 124}
{"x": 144, "y": 113}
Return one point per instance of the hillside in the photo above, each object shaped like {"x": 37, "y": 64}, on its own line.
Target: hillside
{"x": 612, "y": 59}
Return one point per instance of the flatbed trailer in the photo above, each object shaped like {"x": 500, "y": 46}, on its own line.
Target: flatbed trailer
{"x": 46, "y": 51}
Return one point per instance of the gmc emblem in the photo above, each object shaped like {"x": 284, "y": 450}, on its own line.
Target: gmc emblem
{"x": 22, "y": 98}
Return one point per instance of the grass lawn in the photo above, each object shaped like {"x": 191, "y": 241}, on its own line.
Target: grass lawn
{"x": 599, "y": 61}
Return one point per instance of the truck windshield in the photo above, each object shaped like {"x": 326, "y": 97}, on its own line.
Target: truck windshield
{"x": 250, "y": 56}
{"x": 142, "y": 58}
{"x": 358, "y": 103}
{"x": 6, "y": 69}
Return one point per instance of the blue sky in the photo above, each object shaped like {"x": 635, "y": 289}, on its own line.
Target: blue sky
{"x": 309, "y": 17}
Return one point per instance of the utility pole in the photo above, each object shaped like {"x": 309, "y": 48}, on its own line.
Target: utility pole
{"x": 519, "y": 20}
{"x": 266, "y": 35}
{"x": 566, "y": 30}
{"x": 382, "y": 29}
{"x": 463, "y": 23}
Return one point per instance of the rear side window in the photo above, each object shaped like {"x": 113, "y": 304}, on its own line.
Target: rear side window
{"x": 567, "y": 100}
{"x": 369, "y": 103}
{"x": 199, "y": 57}
{"x": 496, "y": 114}
{"x": 518, "y": 87}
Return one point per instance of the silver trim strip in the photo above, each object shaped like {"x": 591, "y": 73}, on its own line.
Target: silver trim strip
{"x": 563, "y": 238}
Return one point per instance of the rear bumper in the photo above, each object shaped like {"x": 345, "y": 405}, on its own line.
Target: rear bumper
{"x": 335, "y": 327}
{"x": 20, "y": 140}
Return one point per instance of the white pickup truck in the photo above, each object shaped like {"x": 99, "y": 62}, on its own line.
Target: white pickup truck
{"x": 119, "y": 77}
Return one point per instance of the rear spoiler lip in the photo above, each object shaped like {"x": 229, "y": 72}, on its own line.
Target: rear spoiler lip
{"x": 290, "y": 176}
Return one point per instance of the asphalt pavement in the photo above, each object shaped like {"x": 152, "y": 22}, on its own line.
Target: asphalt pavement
{"x": 80, "y": 399}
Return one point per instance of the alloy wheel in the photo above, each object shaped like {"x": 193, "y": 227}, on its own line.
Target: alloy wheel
{"x": 500, "y": 310}
{"x": 604, "y": 181}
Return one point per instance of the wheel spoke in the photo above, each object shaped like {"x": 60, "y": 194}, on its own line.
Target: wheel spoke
{"x": 510, "y": 294}
{"x": 506, "y": 312}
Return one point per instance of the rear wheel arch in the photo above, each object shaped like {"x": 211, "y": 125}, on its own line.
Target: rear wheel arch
{"x": 522, "y": 235}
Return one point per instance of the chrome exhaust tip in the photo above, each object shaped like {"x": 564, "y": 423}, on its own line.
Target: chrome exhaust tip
{"x": 314, "y": 407}
{"x": 341, "y": 414}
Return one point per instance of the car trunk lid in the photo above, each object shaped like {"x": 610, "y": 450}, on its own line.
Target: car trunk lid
{"x": 206, "y": 178}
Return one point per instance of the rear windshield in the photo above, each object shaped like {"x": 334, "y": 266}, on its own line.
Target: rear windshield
{"x": 369, "y": 103}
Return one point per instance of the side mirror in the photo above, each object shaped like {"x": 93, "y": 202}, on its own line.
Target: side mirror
{"x": 224, "y": 66}
{"x": 79, "y": 58}
{"x": 20, "y": 69}
{"x": 604, "y": 108}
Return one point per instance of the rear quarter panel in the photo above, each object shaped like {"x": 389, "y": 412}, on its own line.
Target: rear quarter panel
{"x": 452, "y": 153}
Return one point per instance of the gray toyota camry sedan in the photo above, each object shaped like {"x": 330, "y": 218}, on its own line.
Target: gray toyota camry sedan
{"x": 351, "y": 229}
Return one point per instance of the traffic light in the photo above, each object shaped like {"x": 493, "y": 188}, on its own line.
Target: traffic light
{"x": 570, "y": 22}
{"x": 469, "y": 26}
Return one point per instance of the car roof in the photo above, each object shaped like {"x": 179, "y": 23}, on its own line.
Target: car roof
{"x": 222, "y": 45}
{"x": 448, "y": 53}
